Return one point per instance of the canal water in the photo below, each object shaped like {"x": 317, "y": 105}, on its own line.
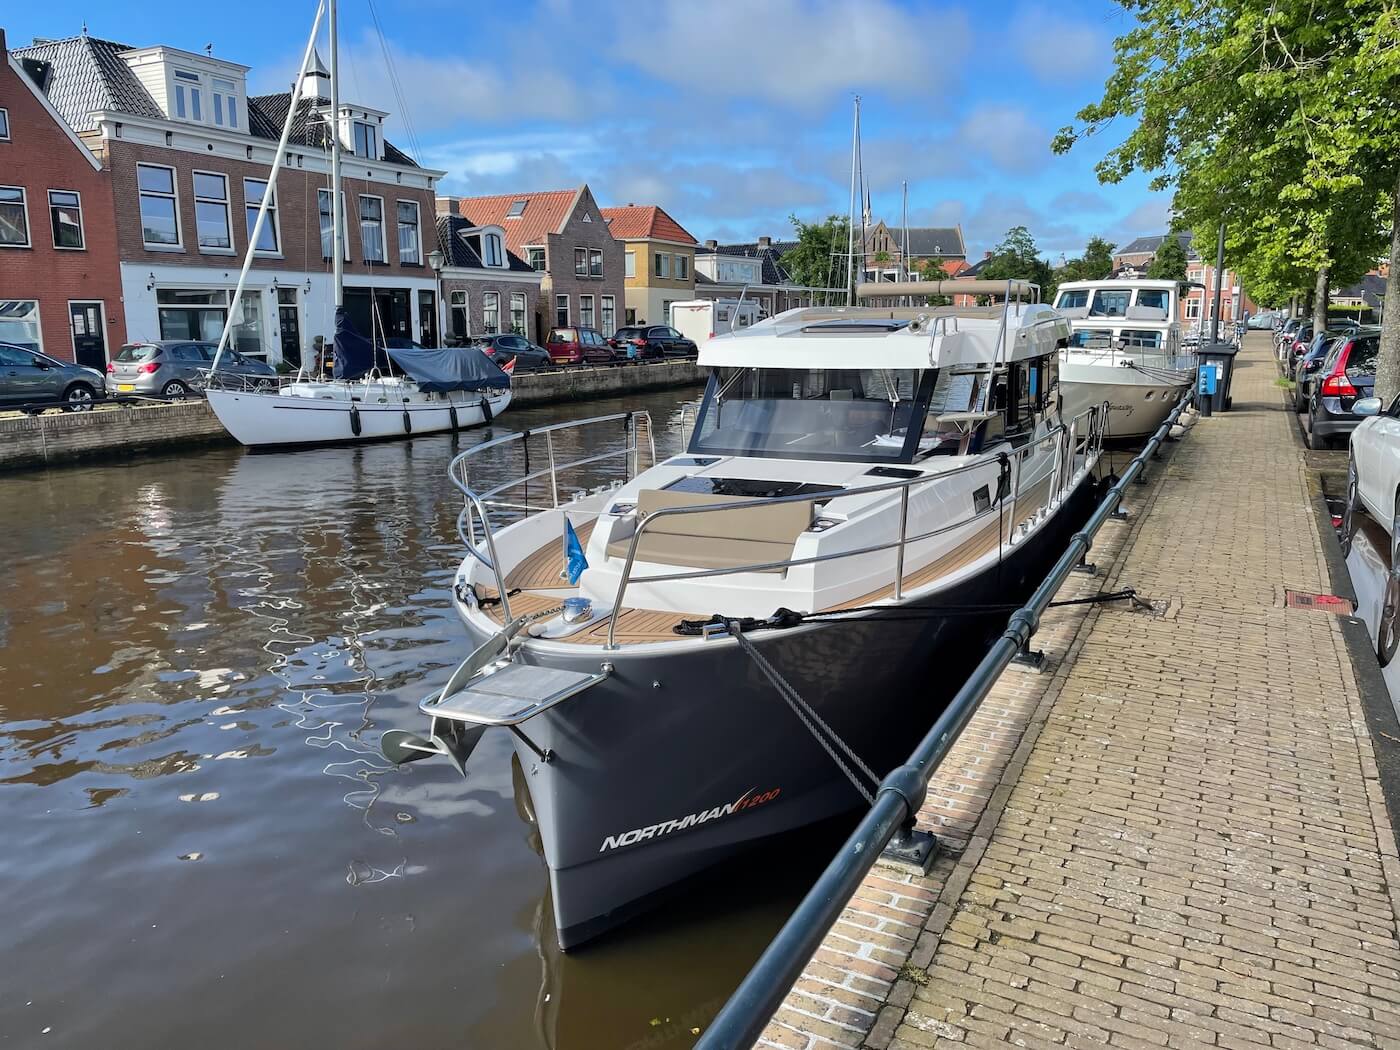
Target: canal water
{"x": 202, "y": 844}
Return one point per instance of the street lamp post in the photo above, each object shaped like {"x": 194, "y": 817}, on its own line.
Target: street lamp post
{"x": 437, "y": 260}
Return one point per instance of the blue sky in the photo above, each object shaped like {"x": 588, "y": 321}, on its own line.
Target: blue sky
{"x": 731, "y": 114}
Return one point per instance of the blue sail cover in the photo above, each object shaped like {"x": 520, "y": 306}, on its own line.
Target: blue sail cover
{"x": 465, "y": 368}
{"x": 354, "y": 354}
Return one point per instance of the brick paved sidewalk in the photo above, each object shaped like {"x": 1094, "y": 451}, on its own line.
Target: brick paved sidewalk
{"x": 1191, "y": 849}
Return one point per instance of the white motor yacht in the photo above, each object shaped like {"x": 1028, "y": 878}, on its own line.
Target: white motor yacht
{"x": 740, "y": 640}
{"x": 1126, "y": 350}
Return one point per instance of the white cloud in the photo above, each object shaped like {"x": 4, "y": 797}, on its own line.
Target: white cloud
{"x": 1057, "y": 48}
{"x": 1079, "y": 202}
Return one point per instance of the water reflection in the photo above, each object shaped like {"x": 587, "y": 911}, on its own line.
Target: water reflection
{"x": 203, "y": 844}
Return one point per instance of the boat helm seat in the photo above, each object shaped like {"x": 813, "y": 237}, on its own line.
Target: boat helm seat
{"x": 720, "y": 540}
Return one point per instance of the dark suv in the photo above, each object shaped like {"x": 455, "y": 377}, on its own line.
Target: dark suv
{"x": 1348, "y": 373}
{"x": 504, "y": 347}
{"x": 653, "y": 342}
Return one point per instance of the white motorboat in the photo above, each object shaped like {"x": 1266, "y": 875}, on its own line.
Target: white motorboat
{"x": 1126, "y": 350}
{"x": 376, "y": 392}
{"x": 710, "y": 650}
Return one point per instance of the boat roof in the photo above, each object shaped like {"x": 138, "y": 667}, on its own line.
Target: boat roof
{"x": 835, "y": 337}
{"x": 1121, "y": 282}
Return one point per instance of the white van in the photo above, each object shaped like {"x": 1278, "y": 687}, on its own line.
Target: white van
{"x": 703, "y": 319}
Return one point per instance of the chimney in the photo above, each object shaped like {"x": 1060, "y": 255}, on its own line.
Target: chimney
{"x": 447, "y": 205}
{"x": 712, "y": 245}
{"x": 765, "y": 242}
{"x": 987, "y": 255}
{"x": 3, "y": 49}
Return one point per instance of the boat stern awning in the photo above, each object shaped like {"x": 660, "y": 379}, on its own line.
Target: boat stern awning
{"x": 440, "y": 371}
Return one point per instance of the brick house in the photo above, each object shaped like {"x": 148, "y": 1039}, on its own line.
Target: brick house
{"x": 943, "y": 243}
{"x": 659, "y": 264}
{"x": 562, "y": 235}
{"x": 1133, "y": 259}
{"x": 754, "y": 271}
{"x": 60, "y": 286}
{"x": 485, "y": 287}
{"x": 188, "y": 154}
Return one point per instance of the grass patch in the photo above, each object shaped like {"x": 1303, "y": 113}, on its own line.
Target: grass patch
{"x": 1285, "y": 382}
{"x": 917, "y": 974}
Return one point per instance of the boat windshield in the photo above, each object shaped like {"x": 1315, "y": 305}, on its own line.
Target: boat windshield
{"x": 850, "y": 414}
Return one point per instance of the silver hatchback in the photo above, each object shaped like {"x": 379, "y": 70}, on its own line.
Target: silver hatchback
{"x": 174, "y": 368}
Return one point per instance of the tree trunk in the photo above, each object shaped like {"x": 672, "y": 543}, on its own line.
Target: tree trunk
{"x": 1320, "y": 298}
{"x": 1388, "y": 362}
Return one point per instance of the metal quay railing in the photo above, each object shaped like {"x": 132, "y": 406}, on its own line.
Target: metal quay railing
{"x": 744, "y": 1016}
{"x": 1062, "y": 477}
{"x": 475, "y": 506}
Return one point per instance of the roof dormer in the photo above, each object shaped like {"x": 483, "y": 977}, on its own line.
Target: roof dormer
{"x": 199, "y": 89}
{"x": 362, "y": 131}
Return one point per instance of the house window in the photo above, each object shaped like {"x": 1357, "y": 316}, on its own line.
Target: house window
{"x": 535, "y": 257}
{"x": 14, "y": 218}
{"x": 225, "y": 102}
{"x": 517, "y": 209}
{"x": 561, "y": 311}
{"x": 19, "y": 322}
{"x": 253, "y": 191}
{"x": 609, "y": 315}
{"x": 662, "y": 265}
{"x": 492, "y": 255}
{"x": 4, "y": 125}
{"x": 191, "y": 313}
{"x": 585, "y": 311}
{"x": 595, "y": 262}
{"x": 682, "y": 267}
{"x": 517, "y": 312}
{"x": 160, "y": 226}
{"x": 66, "y": 218}
{"x": 580, "y": 262}
{"x": 366, "y": 140}
{"x": 460, "y": 315}
{"x": 491, "y": 312}
{"x": 1193, "y": 309}
{"x": 410, "y": 246}
{"x": 327, "y": 220}
{"x": 372, "y": 228}
{"x": 629, "y": 265}
{"x": 188, "y": 95}
{"x": 211, "y": 221}
{"x": 247, "y": 333}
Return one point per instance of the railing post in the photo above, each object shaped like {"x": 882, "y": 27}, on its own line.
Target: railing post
{"x": 553, "y": 475}
{"x": 899, "y": 551}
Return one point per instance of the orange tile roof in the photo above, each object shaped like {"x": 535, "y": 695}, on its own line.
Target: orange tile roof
{"x": 953, "y": 267}
{"x": 636, "y": 220}
{"x": 544, "y": 213}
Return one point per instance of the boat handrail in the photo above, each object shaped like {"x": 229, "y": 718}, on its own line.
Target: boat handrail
{"x": 1062, "y": 480}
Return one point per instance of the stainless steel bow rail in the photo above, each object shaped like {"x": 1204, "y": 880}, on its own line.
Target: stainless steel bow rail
{"x": 742, "y": 1019}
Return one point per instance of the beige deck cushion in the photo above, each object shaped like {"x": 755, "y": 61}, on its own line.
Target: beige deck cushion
{"x": 722, "y": 540}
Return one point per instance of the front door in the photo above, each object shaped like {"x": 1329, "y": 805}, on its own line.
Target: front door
{"x": 289, "y": 325}
{"x": 89, "y": 337}
{"x": 427, "y": 319}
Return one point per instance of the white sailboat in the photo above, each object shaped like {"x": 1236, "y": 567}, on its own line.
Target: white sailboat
{"x": 1126, "y": 350}
{"x": 432, "y": 390}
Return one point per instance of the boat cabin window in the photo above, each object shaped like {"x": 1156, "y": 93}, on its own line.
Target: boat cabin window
{"x": 1110, "y": 303}
{"x": 1091, "y": 338}
{"x": 1023, "y": 393}
{"x": 1157, "y": 298}
{"x": 1072, "y": 299}
{"x": 1145, "y": 339}
{"x": 848, "y": 414}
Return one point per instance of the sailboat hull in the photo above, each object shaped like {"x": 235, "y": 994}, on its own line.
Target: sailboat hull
{"x": 685, "y": 755}
{"x": 279, "y": 419}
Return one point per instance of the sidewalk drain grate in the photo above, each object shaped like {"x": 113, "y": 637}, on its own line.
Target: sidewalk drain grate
{"x": 1331, "y": 603}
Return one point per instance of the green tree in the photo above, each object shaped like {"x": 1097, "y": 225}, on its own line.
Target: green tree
{"x": 1094, "y": 265}
{"x": 1276, "y": 118}
{"x": 1169, "y": 262}
{"x": 819, "y": 258}
{"x": 1017, "y": 258}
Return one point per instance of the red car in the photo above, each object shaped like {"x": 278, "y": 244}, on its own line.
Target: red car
{"x": 578, "y": 346}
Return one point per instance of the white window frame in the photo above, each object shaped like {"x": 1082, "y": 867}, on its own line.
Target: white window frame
{"x": 273, "y": 217}
{"x": 230, "y": 97}
{"x": 38, "y": 318}
{"x": 487, "y": 298}
{"x": 629, "y": 264}
{"x": 544, "y": 257}
{"x": 344, "y": 216}
{"x": 489, "y": 240}
{"x": 372, "y": 129}
{"x": 383, "y": 244}
{"x": 585, "y": 310}
{"x": 568, "y": 312}
{"x": 682, "y": 267}
{"x": 174, "y": 196}
{"x": 580, "y": 262}
{"x": 661, "y": 265}
{"x": 465, "y": 306}
{"x": 523, "y": 300}
{"x": 232, "y": 248}
{"x": 4, "y": 124}
{"x": 607, "y": 315}
{"x": 28, "y": 228}
{"x": 177, "y": 84}
{"x": 595, "y": 254}
{"x": 418, "y": 225}
{"x": 82, "y": 231}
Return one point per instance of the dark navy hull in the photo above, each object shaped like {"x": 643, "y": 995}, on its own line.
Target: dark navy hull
{"x": 680, "y": 759}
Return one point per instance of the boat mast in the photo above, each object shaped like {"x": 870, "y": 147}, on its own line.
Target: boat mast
{"x": 851, "y": 214}
{"x": 904, "y": 248}
{"x": 337, "y": 207}
{"x": 271, "y": 191}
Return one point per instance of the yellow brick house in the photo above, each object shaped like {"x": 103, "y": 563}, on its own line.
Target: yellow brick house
{"x": 659, "y": 266}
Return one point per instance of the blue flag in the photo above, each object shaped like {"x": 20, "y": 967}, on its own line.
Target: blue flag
{"x": 575, "y": 562}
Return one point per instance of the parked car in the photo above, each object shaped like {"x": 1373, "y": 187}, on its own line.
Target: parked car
{"x": 28, "y": 376}
{"x": 1373, "y": 486}
{"x": 653, "y": 342}
{"x": 576, "y": 346}
{"x": 1309, "y": 365}
{"x": 1347, "y": 375}
{"x": 503, "y": 348}
{"x": 173, "y": 368}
